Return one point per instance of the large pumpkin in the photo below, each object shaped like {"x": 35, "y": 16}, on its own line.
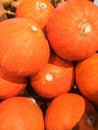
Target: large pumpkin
{"x": 37, "y": 10}
{"x": 20, "y": 113}
{"x": 23, "y": 47}
{"x": 72, "y": 29}
{"x": 87, "y": 77}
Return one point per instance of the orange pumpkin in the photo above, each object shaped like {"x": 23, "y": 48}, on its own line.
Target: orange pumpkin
{"x": 87, "y": 77}
{"x": 37, "y": 10}
{"x": 72, "y": 29}
{"x": 23, "y": 47}
{"x": 20, "y": 113}
{"x": 55, "y": 78}
{"x": 64, "y": 112}
{"x": 11, "y": 85}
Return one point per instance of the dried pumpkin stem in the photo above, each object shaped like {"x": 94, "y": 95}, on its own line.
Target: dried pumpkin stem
{"x": 9, "y": 12}
{"x": 85, "y": 29}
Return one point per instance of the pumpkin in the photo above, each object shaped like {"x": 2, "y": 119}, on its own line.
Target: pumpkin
{"x": 86, "y": 76}
{"x": 23, "y": 47}
{"x": 63, "y": 113}
{"x": 54, "y": 79}
{"x": 11, "y": 85}
{"x": 72, "y": 29}
{"x": 20, "y": 113}
{"x": 37, "y": 10}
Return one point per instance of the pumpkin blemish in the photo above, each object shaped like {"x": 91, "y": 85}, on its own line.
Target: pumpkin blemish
{"x": 48, "y": 77}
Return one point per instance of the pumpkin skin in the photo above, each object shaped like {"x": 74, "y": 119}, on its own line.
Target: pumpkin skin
{"x": 36, "y": 10}
{"x": 63, "y": 113}
{"x": 11, "y": 85}
{"x": 24, "y": 49}
{"x": 20, "y": 113}
{"x": 55, "y": 78}
{"x": 72, "y": 29}
{"x": 86, "y": 76}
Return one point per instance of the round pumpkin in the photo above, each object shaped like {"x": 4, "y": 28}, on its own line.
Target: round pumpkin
{"x": 63, "y": 113}
{"x": 86, "y": 77}
{"x": 24, "y": 50}
{"x": 20, "y": 113}
{"x": 11, "y": 85}
{"x": 54, "y": 79}
{"x": 37, "y": 10}
{"x": 72, "y": 29}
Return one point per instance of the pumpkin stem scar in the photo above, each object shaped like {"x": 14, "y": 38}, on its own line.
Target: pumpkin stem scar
{"x": 34, "y": 28}
{"x": 41, "y": 6}
{"x": 85, "y": 29}
{"x": 91, "y": 120}
{"x": 48, "y": 77}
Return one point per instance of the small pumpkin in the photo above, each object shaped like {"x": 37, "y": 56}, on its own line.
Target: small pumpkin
{"x": 72, "y": 29}
{"x": 62, "y": 112}
{"x": 86, "y": 76}
{"x": 37, "y": 10}
{"x": 20, "y": 113}
{"x": 11, "y": 85}
{"x": 24, "y": 50}
{"x": 54, "y": 79}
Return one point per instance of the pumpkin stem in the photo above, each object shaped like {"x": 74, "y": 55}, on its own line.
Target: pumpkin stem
{"x": 9, "y": 12}
{"x": 86, "y": 29}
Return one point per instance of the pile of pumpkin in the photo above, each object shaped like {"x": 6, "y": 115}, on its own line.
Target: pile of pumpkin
{"x": 51, "y": 51}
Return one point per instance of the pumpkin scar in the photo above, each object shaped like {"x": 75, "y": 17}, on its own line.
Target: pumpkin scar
{"x": 49, "y": 77}
{"x": 91, "y": 120}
